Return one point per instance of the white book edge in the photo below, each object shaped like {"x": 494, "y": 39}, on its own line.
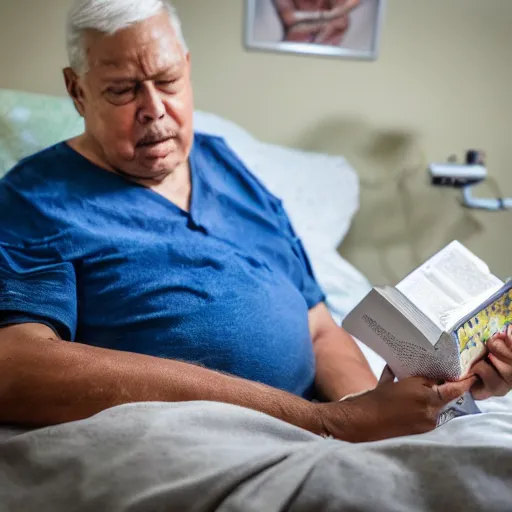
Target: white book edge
{"x": 397, "y": 339}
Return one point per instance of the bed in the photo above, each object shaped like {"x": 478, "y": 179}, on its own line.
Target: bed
{"x": 208, "y": 456}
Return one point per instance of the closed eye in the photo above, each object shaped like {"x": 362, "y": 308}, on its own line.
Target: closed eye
{"x": 120, "y": 92}
{"x": 166, "y": 82}
{"x": 167, "y": 85}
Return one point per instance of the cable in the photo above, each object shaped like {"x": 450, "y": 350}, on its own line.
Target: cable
{"x": 493, "y": 204}
{"x": 493, "y": 182}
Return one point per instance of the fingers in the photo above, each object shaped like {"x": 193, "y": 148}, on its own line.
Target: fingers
{"x": 505, "y": 334}
{"x": 491, "y": 382}
{"x": 504, "y": 370}
{"x": 387, "y": 376}
{"x": 500, "y": 349}
{"x": 500, "y": 357}
{"x": 453, "y": 390}
{"x": 501, "y": 346}
{"x": 495, "y": 372}
{"x": 480, "y": 391}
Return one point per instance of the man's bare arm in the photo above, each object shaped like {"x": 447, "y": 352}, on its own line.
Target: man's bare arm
{"x": 47, "y": 381}
{"x": 341, "y": 367}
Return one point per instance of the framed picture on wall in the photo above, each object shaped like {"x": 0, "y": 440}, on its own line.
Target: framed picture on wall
{"x": 336, "y": 28}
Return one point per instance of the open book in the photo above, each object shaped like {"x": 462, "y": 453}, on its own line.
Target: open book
{"x": 435, "y": 322}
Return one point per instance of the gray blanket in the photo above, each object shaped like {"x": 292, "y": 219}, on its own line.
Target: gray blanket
{"x": 203, "y": 456}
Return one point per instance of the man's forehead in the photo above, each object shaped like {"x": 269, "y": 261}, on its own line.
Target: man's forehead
{"x": 132, "y": 66}
{"x": 152, "y": 42}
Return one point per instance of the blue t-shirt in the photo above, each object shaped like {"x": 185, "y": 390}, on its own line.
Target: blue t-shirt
{"x": 110, "y": 263}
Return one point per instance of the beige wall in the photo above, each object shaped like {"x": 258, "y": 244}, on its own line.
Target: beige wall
{"x": 442, "y": 84}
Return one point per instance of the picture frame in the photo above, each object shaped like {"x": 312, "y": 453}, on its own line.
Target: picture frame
{"x": 311, "y": 27}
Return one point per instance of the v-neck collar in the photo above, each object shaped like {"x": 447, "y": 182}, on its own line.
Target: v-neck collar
{"x": 196, "y": 184}
{"x": 206, "y": 211}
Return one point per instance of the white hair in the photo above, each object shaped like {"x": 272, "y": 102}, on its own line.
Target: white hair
{"x": 110, "y": 16}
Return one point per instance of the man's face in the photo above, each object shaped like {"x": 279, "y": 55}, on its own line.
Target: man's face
{"x": 136, "y": 99}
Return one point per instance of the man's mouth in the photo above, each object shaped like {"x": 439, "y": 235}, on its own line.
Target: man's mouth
{"x": 153, "y": 141}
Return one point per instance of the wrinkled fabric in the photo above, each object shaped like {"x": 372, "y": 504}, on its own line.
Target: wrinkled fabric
{"x": 201, "y": 456}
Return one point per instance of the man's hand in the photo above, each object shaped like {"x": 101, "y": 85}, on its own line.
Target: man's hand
{"x": 410, "y": 406}
{"x": 495, "y": 371}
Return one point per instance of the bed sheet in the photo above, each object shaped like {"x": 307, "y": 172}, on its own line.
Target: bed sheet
{"x": 203, "y": 456}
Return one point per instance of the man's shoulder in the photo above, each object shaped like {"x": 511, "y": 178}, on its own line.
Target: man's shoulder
{"x": 218, "y": 150}
{"x": 36, "y": 168}
{"x": 25, "y": 193}
{"x": 204, "y": 140}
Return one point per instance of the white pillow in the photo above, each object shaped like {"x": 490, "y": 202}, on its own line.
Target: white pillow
{"x": 213, "y": 124}
{"x": 320, "y": 192}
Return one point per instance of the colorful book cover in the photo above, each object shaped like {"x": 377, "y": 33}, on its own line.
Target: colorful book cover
{"x": 477, "y": 328}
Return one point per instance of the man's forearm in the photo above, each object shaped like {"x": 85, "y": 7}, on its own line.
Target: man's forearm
{"x": 342, "y": 368}
{"x": 48, "y": 381}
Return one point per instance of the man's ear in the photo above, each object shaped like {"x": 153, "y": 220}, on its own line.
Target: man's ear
{"x": 74, "y": 90}
{"x": 188, "y": 63}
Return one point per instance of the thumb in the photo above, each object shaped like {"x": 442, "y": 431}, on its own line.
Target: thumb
{"x": 453, "y": 390}
{"x": 387, "y": 376}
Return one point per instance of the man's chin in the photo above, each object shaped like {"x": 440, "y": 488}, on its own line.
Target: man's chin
{"x": 155, "y": 168}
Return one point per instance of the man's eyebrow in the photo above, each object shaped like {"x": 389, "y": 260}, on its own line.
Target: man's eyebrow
{"x": 121, "y": 80}
{"x": 171, "y": 72}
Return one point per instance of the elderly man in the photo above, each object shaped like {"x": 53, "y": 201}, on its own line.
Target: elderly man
{"x": 140, "y": 262}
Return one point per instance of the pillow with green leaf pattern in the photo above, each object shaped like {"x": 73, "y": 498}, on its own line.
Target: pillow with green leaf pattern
{"x": 31, "y": 122}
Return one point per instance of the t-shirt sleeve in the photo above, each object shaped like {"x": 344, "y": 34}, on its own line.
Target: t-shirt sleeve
{"x": 307, "y": 282}
{"x": 36, "y": 288}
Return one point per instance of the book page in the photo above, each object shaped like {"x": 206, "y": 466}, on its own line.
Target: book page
{"x": 428, "y": 297}
{"x": 447, "y": 281}
{"x": 463, "y": 271}
{"x": 453, "y": 316}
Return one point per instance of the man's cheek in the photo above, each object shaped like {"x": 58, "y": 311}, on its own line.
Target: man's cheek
{"x": 118, "y": 133}
{"x": 126, "y": 151}
{"x": 120, "y": 119}
{"x": 180, "y": 109}
{"x": 118, "y": 143}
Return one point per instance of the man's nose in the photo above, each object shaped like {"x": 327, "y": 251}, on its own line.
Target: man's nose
{"x": 151, "y": 106}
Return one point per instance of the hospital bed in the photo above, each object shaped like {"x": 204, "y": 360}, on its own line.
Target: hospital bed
{"x": 207, "y": 456}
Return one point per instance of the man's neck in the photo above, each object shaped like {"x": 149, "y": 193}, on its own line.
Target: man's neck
{"x": 175, "y": 186}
